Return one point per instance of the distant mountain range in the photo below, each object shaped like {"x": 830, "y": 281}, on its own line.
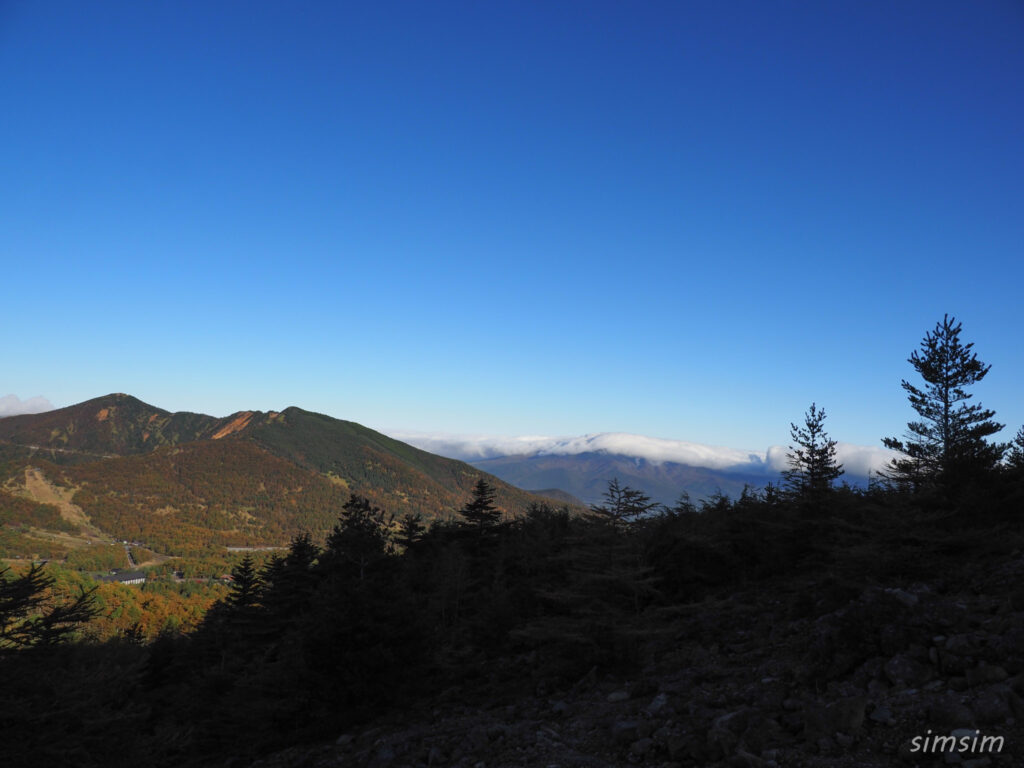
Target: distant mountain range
{"x": 181, "y": 483}
{"x": 583, "y": 466}
{"x": 586, "y": 475}
{"x": 185, "y": 483}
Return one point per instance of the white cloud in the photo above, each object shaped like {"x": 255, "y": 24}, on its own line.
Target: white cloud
{"x": 857, "y": 459}
{"x": 657, "y": 450}
{"x": 12, "y": 405}
{"x": 475, "y": 447}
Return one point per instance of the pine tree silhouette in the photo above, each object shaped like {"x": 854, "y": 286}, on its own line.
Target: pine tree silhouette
{"x": 812, "y": 459}
{"x": 948, "y": 444}
{"x": 480, "y": 511}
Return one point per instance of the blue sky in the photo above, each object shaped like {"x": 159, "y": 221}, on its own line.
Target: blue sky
{"x": 684, "y": 220}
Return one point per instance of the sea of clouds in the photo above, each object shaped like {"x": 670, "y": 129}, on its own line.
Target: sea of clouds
{"x": 856, "y": 459}
{"x": 12, "y": 405}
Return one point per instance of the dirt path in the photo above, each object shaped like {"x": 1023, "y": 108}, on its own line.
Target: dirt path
{"x": 155, "y": 560}
{"x": 41, "y": 490}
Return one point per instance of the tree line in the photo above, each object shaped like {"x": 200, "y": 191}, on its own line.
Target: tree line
{"x": 943, "y": 453}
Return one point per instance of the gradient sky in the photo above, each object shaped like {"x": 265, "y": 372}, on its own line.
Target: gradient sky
{"x": 684, "y": 220}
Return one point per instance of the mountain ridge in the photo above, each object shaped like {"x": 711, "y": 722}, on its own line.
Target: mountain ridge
{"x": 185, "y": 482}
{"x": 586, "y": 475}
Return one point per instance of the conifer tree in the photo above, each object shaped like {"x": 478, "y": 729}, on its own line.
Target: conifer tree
{"x": 410, "y": 529}
{"x": 26, "y": 616}
{"x": 949, "y": 443}
{"x": 684, "y": 505}
{"x": 480, "y": 510}
{"x": 622, "y": 504}
{"x": 359, "y": 539}
{"x": 288, "y": 584}
{"x": 1015, "y": 457}
{"x": 245, "y": 584}
{"x": 812, "y": 458}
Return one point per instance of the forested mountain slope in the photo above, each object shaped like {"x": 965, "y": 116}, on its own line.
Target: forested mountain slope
{"x": 183, "y": 483}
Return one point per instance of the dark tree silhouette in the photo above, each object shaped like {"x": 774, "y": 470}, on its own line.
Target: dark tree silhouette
{"x": 1015, "y": 456}
{"x": 948, "y": 444}
{"x": 360, "y": 539}
{"x": 288, "y": 584}
{"x": 622, "y": 504}
{"x": 812, "y": 457}
{"x": 480, "y": 510}
{"x": 245, "y": 584}
{"x": 684, "y": 505}
{"x": 26, "y": 619}
{"x": 410, "y": 529}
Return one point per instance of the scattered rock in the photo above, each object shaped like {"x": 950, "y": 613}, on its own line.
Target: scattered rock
{"x": 985, "y": 673}
{"x": 904, "y": 597}
{"x": 624, "y": 731}
{"x": 960, "y": 645}
{"x": 992, "y": 707}
{"x": 882, "y": 715}
{"x": 844, "y": 716}
{"x": 905, "y": 671}
{"x": 641, "y": 747}
{"x": 958, "y": 684}
{"x": 909, "y": 752}
{"x": 658, "y": 703}
{"x": 744, "y": 759}
{"x": 949, "y": 712}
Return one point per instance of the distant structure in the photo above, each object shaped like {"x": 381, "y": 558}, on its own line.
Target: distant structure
{"x": 128, "y": 577}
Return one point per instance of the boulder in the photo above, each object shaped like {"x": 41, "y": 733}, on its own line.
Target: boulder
{"x": 992, "y": 706}
{"x": 658, "y": 704}
{"x": 625, "y": 731}
{"x": 882, "y": 714}
{"x": 904, "y": 671}
{"x": 843, "y": 716}
{"x": 949, "y": 712}
{"x": 985, "y": 673}
{"x": 641, "y": 747}
{"x": 961, "y": 645}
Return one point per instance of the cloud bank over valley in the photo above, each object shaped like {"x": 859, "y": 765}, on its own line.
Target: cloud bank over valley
{"x": 856, "y": 459}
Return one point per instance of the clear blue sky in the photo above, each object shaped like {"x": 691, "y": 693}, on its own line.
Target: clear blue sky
{"x": 685, "y": 220}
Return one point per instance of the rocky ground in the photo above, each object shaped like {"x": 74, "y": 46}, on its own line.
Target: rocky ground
{"x": 803, "y": 674}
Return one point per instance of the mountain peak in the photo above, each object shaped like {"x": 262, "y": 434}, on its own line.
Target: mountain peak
{"x": 114, "y": 424}
{"x": 251, "y": 475}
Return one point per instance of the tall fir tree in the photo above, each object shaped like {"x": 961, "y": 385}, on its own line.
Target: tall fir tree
{"x": 288, "y": 584}
{"x": 949, "y": 444}
{"x": 360, "y": 539}
{"x": 245, "y": 584}
{"x": 812, "y": 458}
{"x": 410, "y": 530}
{"x": 480, "y": 511}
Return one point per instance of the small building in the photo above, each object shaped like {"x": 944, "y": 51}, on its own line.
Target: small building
{"x": 125, "y": 577}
